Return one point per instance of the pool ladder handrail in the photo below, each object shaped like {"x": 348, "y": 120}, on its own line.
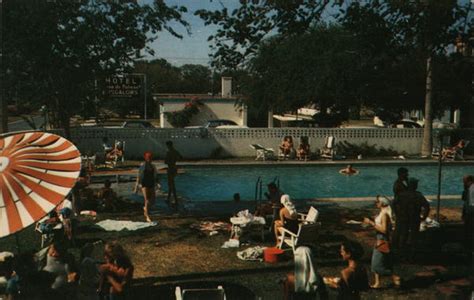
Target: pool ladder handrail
{"x": 258, "y": 189}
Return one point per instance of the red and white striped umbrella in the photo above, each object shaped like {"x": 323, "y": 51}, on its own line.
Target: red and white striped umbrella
{"x": 37, "y": 171}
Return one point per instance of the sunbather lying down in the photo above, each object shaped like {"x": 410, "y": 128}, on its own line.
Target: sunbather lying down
{"x": 452, "y": 151}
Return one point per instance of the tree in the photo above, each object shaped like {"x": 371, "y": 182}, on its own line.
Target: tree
{"x": 54, "y": 51}
{"x": 240, "y": 32}
{"x": 321, "y": 67}
{"x": 422, "y": 28}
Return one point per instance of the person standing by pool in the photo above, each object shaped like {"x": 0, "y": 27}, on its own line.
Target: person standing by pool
{"x": 172, "y": 156}
{"x": 401, "y": 183}
{"x": 468, "y": 210}
{"x": 411, "y": 207}
{"x": 382, "y": 260}
{"x": 147, "y": 178}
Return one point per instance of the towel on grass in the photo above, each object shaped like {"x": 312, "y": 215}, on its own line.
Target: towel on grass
{"x": 252, "y": 253}
{"x": 118, "y": 225}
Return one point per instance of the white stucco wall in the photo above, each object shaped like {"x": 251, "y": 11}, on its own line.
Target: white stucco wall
{"x": 210, "y": 110}
{"x": 202, "y": 143}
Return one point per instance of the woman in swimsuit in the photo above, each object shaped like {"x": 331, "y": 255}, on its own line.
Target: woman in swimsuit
{"x": 288, "y": 217}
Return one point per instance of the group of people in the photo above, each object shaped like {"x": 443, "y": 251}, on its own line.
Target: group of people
{"x": 287, "y": 149}
{"x": 402, "y": 217}
{"x": 147, "y": 179}
{"x": 57, "y": 275}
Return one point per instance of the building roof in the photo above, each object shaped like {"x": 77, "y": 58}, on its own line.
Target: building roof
{"x": 187, "y": 97}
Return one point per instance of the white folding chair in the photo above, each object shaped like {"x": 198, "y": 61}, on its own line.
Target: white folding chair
{"x": 262, "y": 152}
{"x": 328, "y": 150}
{"x": 200, "y": 294}
{"x": 307, "y": 234}
{"x": 310, "y": 218}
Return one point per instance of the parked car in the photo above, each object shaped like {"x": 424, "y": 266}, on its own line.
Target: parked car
{"x": 220, "y": 124}
{"x": 405, "y": 123}
{"x": 137, "y": 124}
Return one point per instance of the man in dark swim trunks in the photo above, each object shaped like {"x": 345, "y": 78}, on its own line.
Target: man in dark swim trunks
{"x": 172, "y": 156}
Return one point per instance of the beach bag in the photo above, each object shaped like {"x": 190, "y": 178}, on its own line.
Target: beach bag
{"x": 383, "y": 246}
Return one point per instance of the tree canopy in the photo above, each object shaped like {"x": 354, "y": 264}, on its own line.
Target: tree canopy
{"x": 344, "y": 53}
{"x": 53, "y": 51}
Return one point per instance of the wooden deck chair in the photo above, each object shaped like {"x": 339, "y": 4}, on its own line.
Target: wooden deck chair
{"x": 262, "y": 152}
{"x": 310, "y": 218}
{"x": 307, "y": 234}
{"x": 328, "y": 151}
{"x": 200, "y": 294}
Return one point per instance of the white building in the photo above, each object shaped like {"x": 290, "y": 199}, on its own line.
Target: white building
{"x": 223, "y": 106}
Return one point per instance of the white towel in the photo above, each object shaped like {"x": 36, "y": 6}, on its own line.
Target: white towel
{"x": 286, "y": 201}
{"x": 116, "y": 225}
{"x": 305, "y": 271}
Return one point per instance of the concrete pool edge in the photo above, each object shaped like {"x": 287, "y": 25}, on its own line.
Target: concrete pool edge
{"x": 318, "y": 163}
{"x": 364, "y": 199}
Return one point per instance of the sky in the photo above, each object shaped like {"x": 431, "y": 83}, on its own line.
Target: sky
{"x": 193, "y": 48}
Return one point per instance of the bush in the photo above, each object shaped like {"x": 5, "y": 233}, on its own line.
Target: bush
{"x": 352, "y": 150}
{"x": 182, "y": 118}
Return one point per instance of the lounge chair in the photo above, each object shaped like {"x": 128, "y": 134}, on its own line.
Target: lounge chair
{"x": 438, "y": 148}
{"x": 310, "y": 218}
{"x": 262, "y": 152}
{"x": 198, "y": 294}
{"x": 328, "y": 150}
{"x": 307, "y": 234}
{"x": 455, "y": 153}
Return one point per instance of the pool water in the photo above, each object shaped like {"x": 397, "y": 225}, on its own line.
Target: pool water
{"x": 220, "y": 183}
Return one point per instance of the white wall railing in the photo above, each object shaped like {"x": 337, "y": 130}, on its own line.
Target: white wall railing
{"x": 203, "y": 143}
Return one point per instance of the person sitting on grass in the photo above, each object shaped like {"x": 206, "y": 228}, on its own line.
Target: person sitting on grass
{"x": 288, "y": 218}
{"x": 354, "y": 277}
{"x": 107, "y": 197}
{"x": 305, "y": 282}
{"x": 349, "y": 170}
{"x": 116, "y": 274}
{"x": 61, "y": 264}
{"x": 48, "y": 225}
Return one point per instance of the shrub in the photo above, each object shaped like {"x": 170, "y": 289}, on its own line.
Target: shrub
{"x": 182, "y": 118}
{"x": 352, "y": 150}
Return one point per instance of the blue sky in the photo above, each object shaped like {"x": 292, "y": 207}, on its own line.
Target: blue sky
{"x": 193, "y": 48}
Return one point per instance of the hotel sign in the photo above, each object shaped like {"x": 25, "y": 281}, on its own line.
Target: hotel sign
{"x": 126, "y": 86}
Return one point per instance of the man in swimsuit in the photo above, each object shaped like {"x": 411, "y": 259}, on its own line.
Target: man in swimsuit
{"x": 401, "y": 183}
{"x": 172, "y": 156}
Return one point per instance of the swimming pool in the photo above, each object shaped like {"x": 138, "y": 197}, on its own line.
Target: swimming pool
{"x": 220, "y": 183}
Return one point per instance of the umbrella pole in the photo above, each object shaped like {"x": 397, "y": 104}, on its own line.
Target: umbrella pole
{"x": 17, "y": 241}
